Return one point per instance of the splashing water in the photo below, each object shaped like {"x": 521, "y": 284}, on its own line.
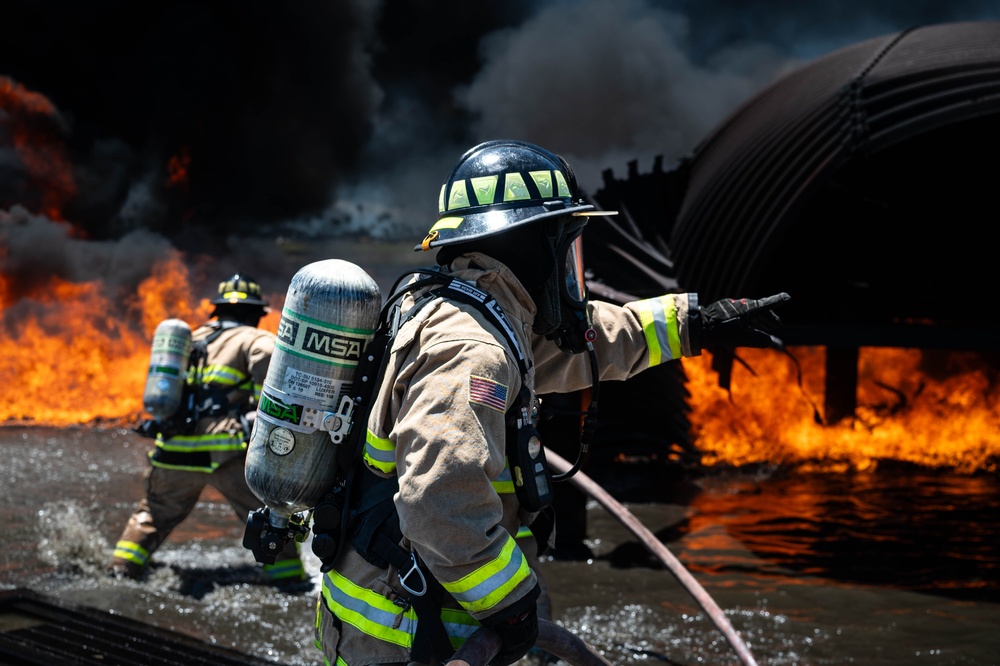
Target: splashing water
{"x": 69, "y": 542}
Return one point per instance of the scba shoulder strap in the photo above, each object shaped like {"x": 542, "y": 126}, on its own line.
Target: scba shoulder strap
{"x": 526, "y": 458}
{"x": 468, "y": 293}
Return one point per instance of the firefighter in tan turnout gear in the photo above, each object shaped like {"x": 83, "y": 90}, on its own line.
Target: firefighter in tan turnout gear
{"x": 454, "y": 413}
{"x": 205, "y": 443}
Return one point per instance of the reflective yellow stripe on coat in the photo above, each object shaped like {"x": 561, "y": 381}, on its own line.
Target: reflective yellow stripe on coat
{"x": 223, "y": 375}
{"x": 660, "y": 326}
{"x": 380, "y": 453}
{"x": 219, "y": 441}
{"x": 380, "y": 618}
{"x": 504, "y": 484}
{"x": 486, "y": 586}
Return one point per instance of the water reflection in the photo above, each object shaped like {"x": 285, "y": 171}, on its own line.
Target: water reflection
{"x": 904, "y": 528}
{"x": 893, "y": 567}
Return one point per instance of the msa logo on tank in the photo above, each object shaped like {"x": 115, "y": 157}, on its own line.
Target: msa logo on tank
{"x": 339, "y": 346}
{"x": 273, "y": 407}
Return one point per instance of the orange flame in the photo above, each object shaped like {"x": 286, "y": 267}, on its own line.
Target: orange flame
{"x": 931, "y": 408}
{"x": 67, "y": 362}
{"x": 71, "y": 357}
{"x": 166, "y": 294}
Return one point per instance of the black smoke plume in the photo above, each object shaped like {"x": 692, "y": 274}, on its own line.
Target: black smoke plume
{"x": 203, "y": 124}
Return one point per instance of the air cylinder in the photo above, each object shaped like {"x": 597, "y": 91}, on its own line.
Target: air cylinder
{"x": 168, "y": 361}
{"x": 330, "y": 313}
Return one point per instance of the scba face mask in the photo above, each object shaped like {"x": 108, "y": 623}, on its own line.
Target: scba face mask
{"x": 562, "y": 308}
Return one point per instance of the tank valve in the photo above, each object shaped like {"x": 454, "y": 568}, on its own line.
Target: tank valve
{"x": 266, "y": 534}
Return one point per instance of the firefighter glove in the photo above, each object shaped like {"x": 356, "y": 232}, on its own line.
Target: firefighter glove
{"x": 738, "y": 322}
{"x": 517, "y": 627}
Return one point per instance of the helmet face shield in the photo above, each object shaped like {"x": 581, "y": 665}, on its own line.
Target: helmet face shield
{"x": 573, "y": 281}
{"x": 572, "y": 330}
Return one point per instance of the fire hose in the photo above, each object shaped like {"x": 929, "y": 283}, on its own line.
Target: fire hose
{"x": 649, "y": 540}
{"x": 484, "y": 643}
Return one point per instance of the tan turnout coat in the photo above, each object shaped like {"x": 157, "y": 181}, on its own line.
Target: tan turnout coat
{"x": 449, "y": 447}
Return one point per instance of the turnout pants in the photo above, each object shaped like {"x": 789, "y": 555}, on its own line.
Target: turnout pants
{"x": 171, "y": 495}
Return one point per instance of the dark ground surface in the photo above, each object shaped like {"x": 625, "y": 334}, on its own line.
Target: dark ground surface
{"x": 890, "y": 568}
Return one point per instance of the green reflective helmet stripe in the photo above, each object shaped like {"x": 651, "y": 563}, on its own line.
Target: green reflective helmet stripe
{"x": 564, "y": 190}
{"x": 458, "y": 198}
{"x": 543, "y": 181}
{"x": 515, "y": 189}
{"x": 485, "y": 188}
{"x": 239, "y": 289}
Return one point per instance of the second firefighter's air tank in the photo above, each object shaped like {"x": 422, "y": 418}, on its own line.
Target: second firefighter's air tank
{"x": 168, "y": 362}
{"x": 329, "y": 316}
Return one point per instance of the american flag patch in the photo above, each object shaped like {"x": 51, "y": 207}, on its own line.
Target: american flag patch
{"x": 487, "y": 392}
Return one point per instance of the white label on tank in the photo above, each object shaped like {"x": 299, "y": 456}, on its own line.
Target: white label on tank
{"x": 281, "y": 441}
{"x": 317, "y": 388}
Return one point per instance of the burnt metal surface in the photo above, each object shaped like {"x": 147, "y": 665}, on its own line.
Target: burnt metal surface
{"x": 646, "y": 417}
{"x": 37, "y": 630}
{"x": 628, "y": 253}
{"x": 862, "y": 184}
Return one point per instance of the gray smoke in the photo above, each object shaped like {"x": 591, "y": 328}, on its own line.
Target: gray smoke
{"x": 611, "y": 84}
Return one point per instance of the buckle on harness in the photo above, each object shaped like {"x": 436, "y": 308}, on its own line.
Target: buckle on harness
{"x": 420, "y": 574}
